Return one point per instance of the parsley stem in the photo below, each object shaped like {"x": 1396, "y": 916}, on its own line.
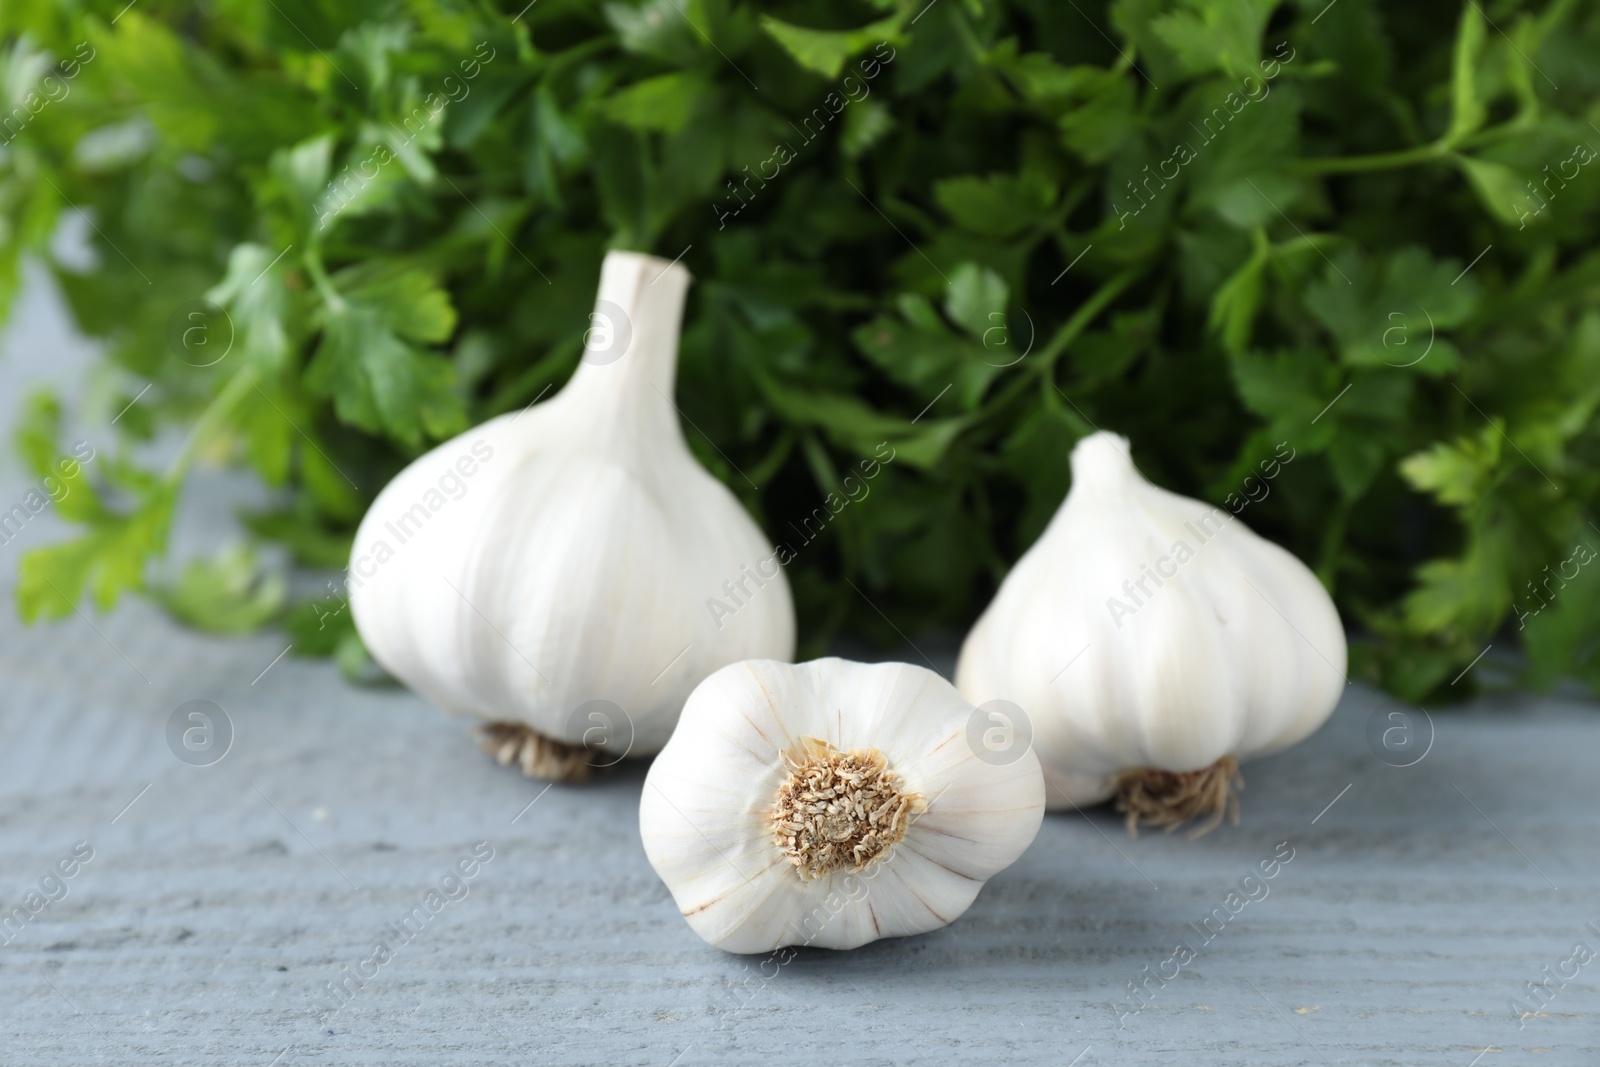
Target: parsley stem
{"x": 1428, "y": 153}
{"x": 217, "y": 411}
{"x": 1086, "y": 313}
{"x": 1382, "y": 161}
{"x": 1332, "y": 542}
{"x": 324, "y": 284}
{"x": 556, "y": 63}
{"x": 1080, "y": 320}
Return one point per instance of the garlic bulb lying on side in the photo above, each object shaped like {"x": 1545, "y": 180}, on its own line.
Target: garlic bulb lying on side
{"x": 549, "y": 570}
{"x": 1155, "y": 642}
{"x": 832, "y": 803}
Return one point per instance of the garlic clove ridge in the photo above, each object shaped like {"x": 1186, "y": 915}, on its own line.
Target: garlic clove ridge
{"x": 1146, "y": 631}
{"x": 706, "y": 815}
{"x": 560, "y": 596}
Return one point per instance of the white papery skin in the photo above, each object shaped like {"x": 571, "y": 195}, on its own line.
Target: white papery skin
{"x": 704, "y": 815}
{"x": 578, "y": 562}
{"x": 1240, "y": 652}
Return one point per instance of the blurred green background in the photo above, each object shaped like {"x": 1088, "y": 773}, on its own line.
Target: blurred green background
{"x": 973, "y": 230}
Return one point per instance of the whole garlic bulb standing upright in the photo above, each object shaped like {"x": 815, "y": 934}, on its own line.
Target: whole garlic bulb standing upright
{"x": 1154, "y": 641}
{"x": 549, "y": 571}
{"x": 832, "y": 803}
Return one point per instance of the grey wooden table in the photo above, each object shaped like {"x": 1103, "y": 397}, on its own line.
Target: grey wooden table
{"x": 218, "y": 904}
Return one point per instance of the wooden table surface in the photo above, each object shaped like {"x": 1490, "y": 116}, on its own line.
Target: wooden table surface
{"x": 218, "y": 904}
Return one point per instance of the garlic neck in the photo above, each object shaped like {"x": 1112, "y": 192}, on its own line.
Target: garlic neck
{"x": 623, "y": 388}
{"x": 1102, "y": 463}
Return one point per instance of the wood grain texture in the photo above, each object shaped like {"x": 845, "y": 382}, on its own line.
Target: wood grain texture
{"x": 217, "y": 908}
{"x": 221, "y": 904}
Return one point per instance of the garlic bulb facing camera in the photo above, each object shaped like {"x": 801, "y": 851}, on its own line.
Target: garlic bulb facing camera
{"x": 549, "y": 571}
{"x": 1155, "y": 642}
{"x": 832, "y": 803}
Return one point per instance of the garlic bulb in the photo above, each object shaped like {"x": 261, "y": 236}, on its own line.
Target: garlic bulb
{"x": 549, "y": 571}
{"x": 832, "y": 803}
{"x": 1155, "y": 642}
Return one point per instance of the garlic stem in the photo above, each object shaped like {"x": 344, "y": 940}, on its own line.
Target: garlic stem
{"x": 630, "y": 354}
{"x": 545, "y": 572}
{"x": 1156, "y": 642}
